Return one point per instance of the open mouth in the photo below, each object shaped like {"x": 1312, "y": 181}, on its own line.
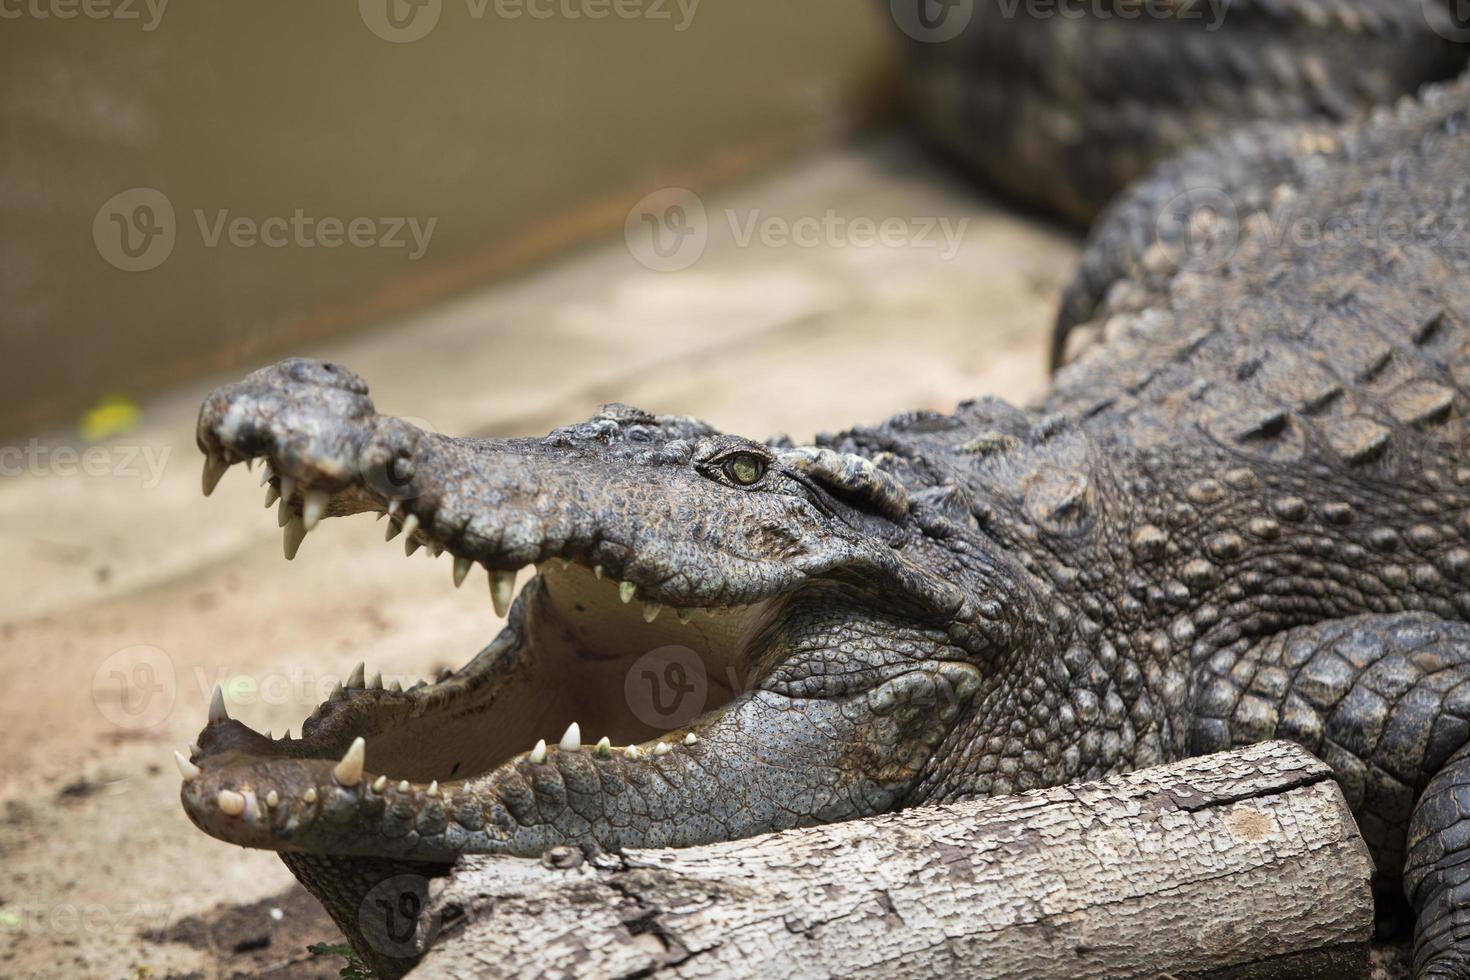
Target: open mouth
{"x": 590, "y": 665}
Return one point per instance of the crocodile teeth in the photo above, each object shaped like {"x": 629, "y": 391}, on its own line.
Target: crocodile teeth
{"x": 230, "y": 803}
{"x": 626, "y": 591}
{"x": 283, "y": 512}
{"x": 314, "y": 507}
{"x": 271, "y": 495}
{"x": 394, "y": 507}
{"x": 272, "y": 799}
{"x": 288, "y": 488}
{"x": 187, "y": 769}
{"x": 355, "y": 679}
{"x": 685, "y": 615}
{"x": 651, "y": 609}
{"x": 632, "y": 752}
{"x": 194, "y": 749}
{"x": 266, "y": 472}
{"x": 538, "y": 754}
{"x": 598, "y": 570}
{"x": 396, "y": 686}
{"x": 433, "y": 789}
{"x": 217, "y": 713}
{"x": 380, "y": 784}
{"x": 502, "y": 591}
{"x": 410, "y": 546}
{"x": 691, "y": 738}
{"x": 310, "y": 795}
{"x": 294, "y": 534}
{"x": 348, "y": 772}
{"x": 403, "y": 786}
{"x": 214, "y": 469}
{"x": 410, "y": 525}
{"x": 337, "y": 693}
{"x": 603, "y": 748}
{"x": 572, "y": 740}
{"x": 461, "y": 569}
{"x": 375, "y": 683}
{"x": 392, "y": 530}
{"x": 662, "y": 748}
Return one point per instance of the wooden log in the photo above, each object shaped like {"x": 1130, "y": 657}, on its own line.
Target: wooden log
{"x": 1242, "y": 864}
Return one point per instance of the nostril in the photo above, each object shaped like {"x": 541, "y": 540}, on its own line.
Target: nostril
{"x": 324, "y": 374}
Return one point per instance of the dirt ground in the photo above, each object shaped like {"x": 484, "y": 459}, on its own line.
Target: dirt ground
{"x": 130, "y": 596}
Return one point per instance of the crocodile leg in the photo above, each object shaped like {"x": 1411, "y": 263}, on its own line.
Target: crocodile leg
{"x": 1385, "y": 701}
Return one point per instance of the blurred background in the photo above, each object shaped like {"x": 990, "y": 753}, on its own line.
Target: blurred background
{"x": 502, "y": 214}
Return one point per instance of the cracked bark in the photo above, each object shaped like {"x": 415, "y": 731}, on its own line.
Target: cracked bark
{"x": 1242, "y": 864}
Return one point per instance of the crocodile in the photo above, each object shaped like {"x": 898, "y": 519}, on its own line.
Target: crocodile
{"x": 1242, "y": 512}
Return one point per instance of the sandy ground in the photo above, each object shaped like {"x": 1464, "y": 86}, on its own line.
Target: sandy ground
{"x": 129, "y": 596}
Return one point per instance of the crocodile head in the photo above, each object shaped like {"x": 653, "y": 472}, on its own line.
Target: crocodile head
{"x": 722, "y": 637}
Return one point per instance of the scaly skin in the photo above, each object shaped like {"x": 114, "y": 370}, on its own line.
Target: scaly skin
{"x": 1244, "y": 513}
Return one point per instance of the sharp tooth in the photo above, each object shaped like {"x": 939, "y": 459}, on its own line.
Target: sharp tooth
{"x": 217, "y": 713}
{"x": 444, "y": 674}
{"x": 291, "y": 539}
{"x": 286, "y": 737}
{"x": 502, "y": 591}
{"x": 272, "y": 799}
{"x": 214, "y": 468}
{"x": 348, "y": 772}
{"x": 538, "y": 754}
{"x": 461, "y": 569}
{"x": 380, "y": 784}
{"x": 403, "y": 786}
{"x": 314, "y": 507}
{"x": 271, "y": 495}
{"x": 410, "y": 545}
{"x": 411, "y": 524}
{"x": 375, "y": 683}
{"x": 571, "y": 741}
{"x": 283, "y": 512}
{"x": 288, "y": 488}
{"x": 337, "y": 693}
{"x": 187, "y": 769}
{"x": 604, "y": 748}
{"x": 632, "y": 752}
{"x": 685, "y": 615}
{"x": 626, "y": 591}
{"x": 435, "y": 550}
{"x": 651, "y": 609}
{"x": 266, "y": 473}
{"x": 355, "y": 679}
{"x": 268, "y": 735}
{"x": 230, "y": 803}
{"x": 394, "y": 506}
{"x": 392, "y": 530}
{"x": 433, "y": 789}
{"x": 661, "y": 748}
{"x": 598, "y": 570}
{"x": 691, "y": 738}
{"x": 310, "y": 795}
{"x": 194, "y": 749}
{"x": 397, "y": 686}
{"x": 249, "y": 464}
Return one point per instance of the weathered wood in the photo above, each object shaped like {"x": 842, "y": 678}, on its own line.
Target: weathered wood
{"x": 1243, "y": 864}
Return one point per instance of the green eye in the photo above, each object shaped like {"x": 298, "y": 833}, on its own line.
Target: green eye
{"x": 745, "y": 468}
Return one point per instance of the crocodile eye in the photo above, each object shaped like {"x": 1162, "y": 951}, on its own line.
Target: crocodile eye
{"x": 745, "y": 468}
